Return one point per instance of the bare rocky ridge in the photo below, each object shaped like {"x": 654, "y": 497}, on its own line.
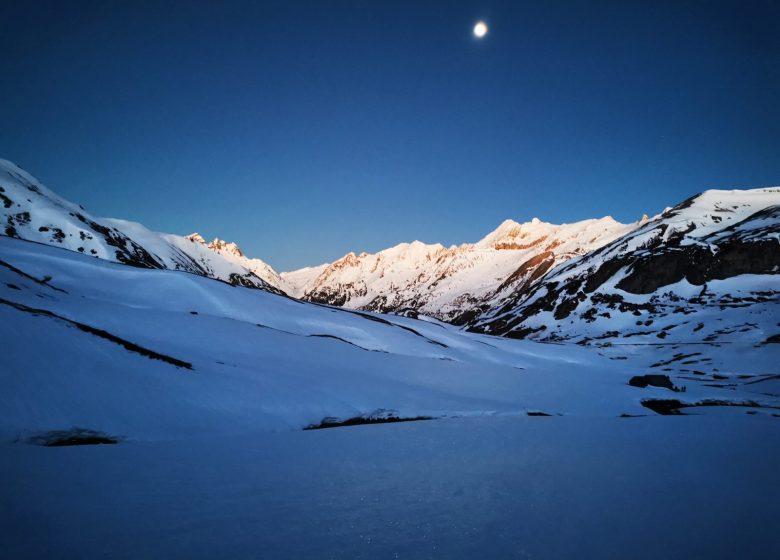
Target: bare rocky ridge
{"x": 699, "y": 272}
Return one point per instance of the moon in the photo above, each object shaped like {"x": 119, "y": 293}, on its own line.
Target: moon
{"x": 480, "y": 29}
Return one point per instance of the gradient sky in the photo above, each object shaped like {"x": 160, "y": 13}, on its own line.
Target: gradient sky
{"x": 304, "y": 130}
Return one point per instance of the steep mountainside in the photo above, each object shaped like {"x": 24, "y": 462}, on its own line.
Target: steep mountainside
{"x": 29, "y": 210}
{"x": 452, "y": 283}
{"x": 231, "y": 253}
{"x": 705, "y": 270}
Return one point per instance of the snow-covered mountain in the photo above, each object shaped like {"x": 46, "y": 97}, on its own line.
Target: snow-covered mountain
{"x": 703, "y": 271}
{"x": 231, "y": 253}
{"x": 686, "y": 275}
{"x": 29, "y": 210}
{"x": 215, "y": 397}
{"x": 451, "y": 283}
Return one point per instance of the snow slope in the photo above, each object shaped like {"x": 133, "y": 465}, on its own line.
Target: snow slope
{"x": 78, "y": 334}
{"x": 451, "y": 283}
{"x": 705, "y": 271}
{"x": 29, "y": 210}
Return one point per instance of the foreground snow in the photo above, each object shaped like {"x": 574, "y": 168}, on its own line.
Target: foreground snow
{"x": 207, "y": 387}
{"x": 656, "y": 487}
{"x": 262, "y": 361}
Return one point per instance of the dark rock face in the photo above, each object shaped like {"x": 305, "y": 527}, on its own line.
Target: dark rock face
{"x": 7, "y": 202}
{"x": 672, "y": 407}
{"x": 127, "y": 251}
{"x": 251, "y": 280}
{"x": 699, "y": 264}
{"x": 653, "y": 380}
{"x": 380, "y": 416}
{"x": 530, "y": 271}
{"x": 337, "y": 297}
{"x": 74, "y": 436}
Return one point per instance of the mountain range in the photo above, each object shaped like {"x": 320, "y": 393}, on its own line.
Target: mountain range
{"x": 592, "y": 281}
{"x": 701, "y": 271}
{"x": 451, "y": 283}
{"x": 162, "y": 395}
{"x": 32, "y": 212}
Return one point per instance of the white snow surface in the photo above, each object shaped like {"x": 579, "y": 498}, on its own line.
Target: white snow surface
{"x": 213, "y": 463}
{"x": 264, "y": 361}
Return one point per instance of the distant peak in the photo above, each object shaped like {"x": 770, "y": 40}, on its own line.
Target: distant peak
{"x": 510, "y": 229}
{"x": 196, "y": 237}
{"x": 508, "y": 223}
{"x": 350, "y": 259}
{"x": 222, "y": 246}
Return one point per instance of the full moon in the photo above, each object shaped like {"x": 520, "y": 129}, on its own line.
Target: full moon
{"x": 480, "y": 29}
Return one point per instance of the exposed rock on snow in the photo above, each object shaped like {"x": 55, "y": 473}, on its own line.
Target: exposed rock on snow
{"x": 701, "y": 271}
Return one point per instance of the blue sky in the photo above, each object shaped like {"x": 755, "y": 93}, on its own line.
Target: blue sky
{"x": 304, "y": 130}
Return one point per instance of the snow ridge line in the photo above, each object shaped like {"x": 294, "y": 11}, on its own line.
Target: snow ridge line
{"x": 131, "y": 346}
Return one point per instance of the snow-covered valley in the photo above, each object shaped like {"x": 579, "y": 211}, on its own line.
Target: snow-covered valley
{"x": 206, "y": 387}
{"x": 227, "y": 359}
{"x": 206, "y": 377}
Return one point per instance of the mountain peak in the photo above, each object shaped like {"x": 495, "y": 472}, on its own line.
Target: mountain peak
{"x": 506, "y": 226}
{"x": 196, "y": 238}
{"x": 509, "y": 230}
{"x": 223, "y": 246}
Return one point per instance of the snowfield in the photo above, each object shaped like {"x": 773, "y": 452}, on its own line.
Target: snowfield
{"x": 212, "y": 460}
{"x": 257, "y": 360}
{"x": 640, "y": 488}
